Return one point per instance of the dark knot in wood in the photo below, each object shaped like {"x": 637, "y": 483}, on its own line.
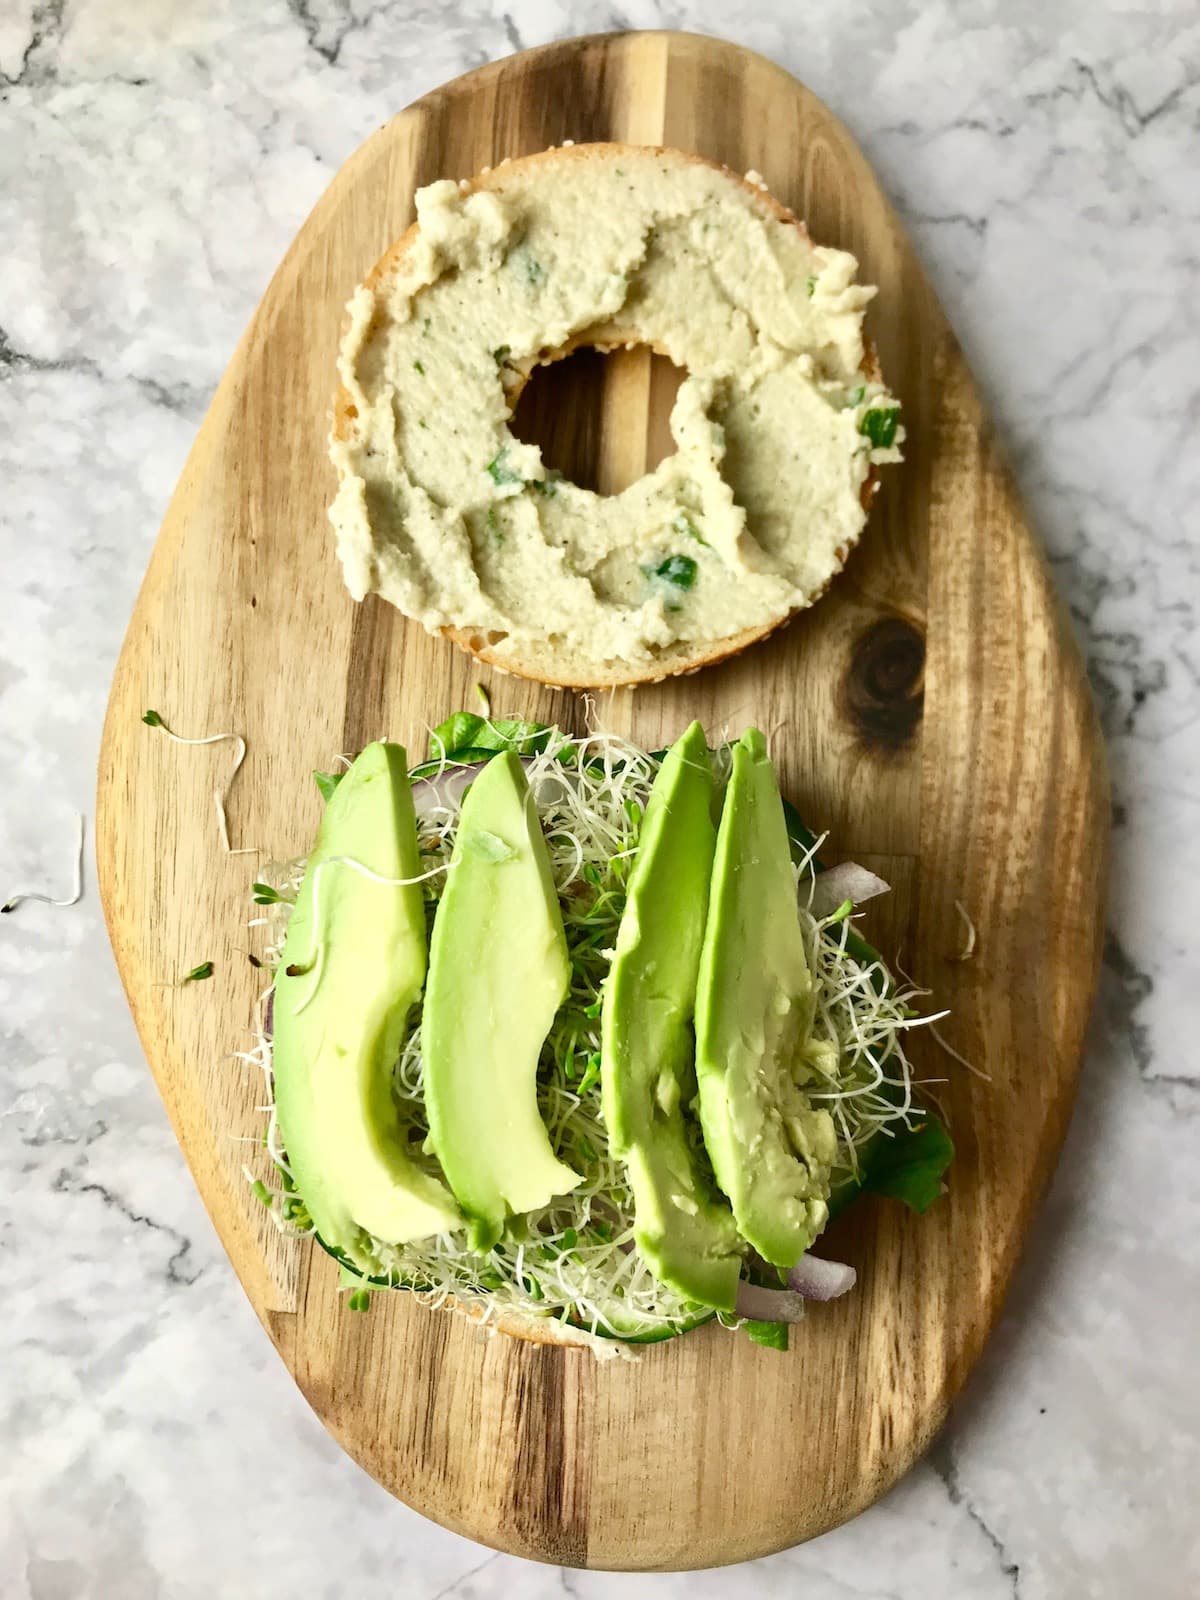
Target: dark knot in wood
{"x": 884, "y": 689}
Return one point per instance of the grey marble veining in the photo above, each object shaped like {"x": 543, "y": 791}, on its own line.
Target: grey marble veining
{"x": 156, "y": 157}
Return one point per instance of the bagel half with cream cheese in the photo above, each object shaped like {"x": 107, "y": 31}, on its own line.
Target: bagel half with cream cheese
{"x": 779, "y": 424}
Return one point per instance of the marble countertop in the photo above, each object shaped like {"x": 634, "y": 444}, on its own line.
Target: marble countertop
{"x": 156, "y": 158}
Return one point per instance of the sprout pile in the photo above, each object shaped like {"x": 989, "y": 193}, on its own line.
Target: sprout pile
{"x": 575, "y": 1258}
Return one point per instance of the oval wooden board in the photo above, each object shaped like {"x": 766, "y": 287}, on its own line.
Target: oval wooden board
{"x": 931, "y": 712}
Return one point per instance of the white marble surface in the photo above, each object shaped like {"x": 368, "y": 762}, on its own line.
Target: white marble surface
{"x": 156, "y": 157}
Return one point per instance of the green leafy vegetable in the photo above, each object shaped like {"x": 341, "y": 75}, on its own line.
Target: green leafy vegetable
{"x": 501, "y": 354}
{"x": 684, "y": 525}
{"x": 678, "y": 571}
{"x": 265, "y": 894}
{"x": 879, "y": 425}
{"x": 469, "y": 756}
{"x": 771, "y": 1335}
{"x": 499, "y": 471}
{"x": 591, "y": 1073}
{"x": 419, "y": 368}
{"x": 466, "y": 736}
{"x": 865, "y": 953}
{"x": 803, "y": 841}
{"x": 547, "y": 486}
{"x": 198, "y": 974}
{"x": 152, "y": 719}
{"x": 909, "y": 1166}
{"x": 327, "y": 782}
{"x": 811, "y": 286}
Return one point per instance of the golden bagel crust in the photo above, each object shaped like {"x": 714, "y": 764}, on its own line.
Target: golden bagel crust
{"x": 543, "y": 663}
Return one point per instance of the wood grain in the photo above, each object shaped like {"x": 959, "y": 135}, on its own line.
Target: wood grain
{"x": 931, "y": 712}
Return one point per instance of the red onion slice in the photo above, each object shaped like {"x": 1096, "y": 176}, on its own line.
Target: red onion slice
{"x": 446, "y": 788}
{"x": 768, "y": 1305}
{"x": 817, "y": 1279}
{"x": 810, "y": 1279}
{"x": 848, "y": 881}
{"x": 442, "y": 789}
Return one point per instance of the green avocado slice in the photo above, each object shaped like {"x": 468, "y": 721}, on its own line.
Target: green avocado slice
{"x": 498, "y": 972}
{"x": 770, "y": 1150}
{"x": 344, "y": 988}
{"x": 683, "y": 1231}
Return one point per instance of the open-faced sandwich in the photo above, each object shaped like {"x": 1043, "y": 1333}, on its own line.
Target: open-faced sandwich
{"x": 579, "y": 1038}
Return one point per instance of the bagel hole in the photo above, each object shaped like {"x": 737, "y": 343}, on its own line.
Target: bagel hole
{"x": 602, "y": 419}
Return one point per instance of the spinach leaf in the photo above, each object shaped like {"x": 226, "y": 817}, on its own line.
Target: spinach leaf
{"x": 802, "y": 841}
{"x": 466, "y": 736}
{"x": 910, "y": 1166}
{"x": 327, "y": 782}
{"x": 773, "y": 1335}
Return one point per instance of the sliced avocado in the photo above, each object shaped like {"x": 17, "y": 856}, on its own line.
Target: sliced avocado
{"x": 770, "y": 1150}
{"x": 498, "y": 972}
{"x": 684, "y": 1232}
{"x": 345, "y": 986}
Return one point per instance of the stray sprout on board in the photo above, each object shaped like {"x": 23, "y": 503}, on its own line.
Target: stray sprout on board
{"x": 956, "y": 1055}
{"x": 76, "y": 894}
{"x": 152, "y": 719}
{"x": 968, "y": 949}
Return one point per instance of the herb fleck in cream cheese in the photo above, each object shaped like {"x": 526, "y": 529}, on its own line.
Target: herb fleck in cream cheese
{"x": 777, "y": 424}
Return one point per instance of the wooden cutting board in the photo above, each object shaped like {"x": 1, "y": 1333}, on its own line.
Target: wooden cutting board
{"x": 931, "y": 712}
